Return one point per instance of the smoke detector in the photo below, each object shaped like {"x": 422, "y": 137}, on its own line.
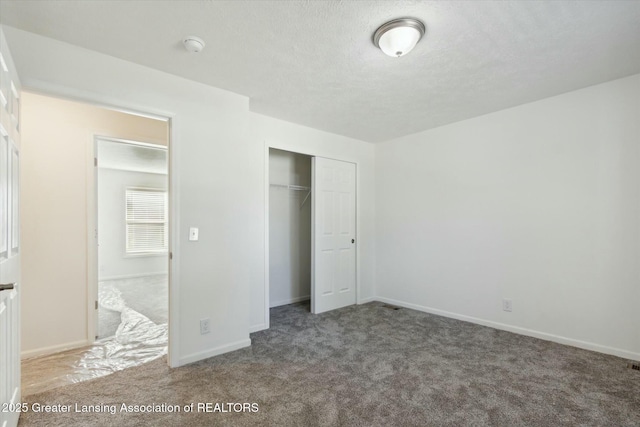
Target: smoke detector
{"x": 193, "y": 44}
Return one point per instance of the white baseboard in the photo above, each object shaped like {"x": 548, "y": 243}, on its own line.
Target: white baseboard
{"x": 130, "y": 276}
{"x": 289, "y": 301}
{"x": 44, "y": 351}
{"x": 256, "y": 328}
{"x": 518, "y": 330}
{"x": 366, "y": 300}
{"x": 194, "y": 357}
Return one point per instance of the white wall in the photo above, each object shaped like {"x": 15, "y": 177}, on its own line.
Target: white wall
{"x": 218, "y": 154}
{"x": 113, "y": 262}
{"x": 289, "y": 229}
{"x": 539, "y": 203}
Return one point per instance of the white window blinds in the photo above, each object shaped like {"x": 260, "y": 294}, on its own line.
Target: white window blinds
{"x": 146, "y": 218}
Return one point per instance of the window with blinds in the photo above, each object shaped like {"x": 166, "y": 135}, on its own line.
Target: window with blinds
{"x": 146, "y": 218}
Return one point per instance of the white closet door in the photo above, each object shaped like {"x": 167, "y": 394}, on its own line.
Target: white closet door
{"x": 334, "y": 233}
{"x": 9, "y": 240}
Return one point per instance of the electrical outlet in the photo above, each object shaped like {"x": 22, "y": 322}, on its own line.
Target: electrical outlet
{"x": 204, "y": 326}
{"x": 507, "y": 305}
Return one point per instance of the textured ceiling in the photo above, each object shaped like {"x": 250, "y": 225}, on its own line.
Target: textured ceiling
{"x": 313, "y": 63}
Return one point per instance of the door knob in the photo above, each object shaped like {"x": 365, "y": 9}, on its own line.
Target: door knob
{"x": 7, "y": 286}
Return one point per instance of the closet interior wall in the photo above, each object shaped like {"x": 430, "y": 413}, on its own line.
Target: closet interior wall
{"x": 289, "y": 227}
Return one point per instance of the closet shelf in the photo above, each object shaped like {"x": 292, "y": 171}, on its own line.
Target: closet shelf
{"x": 291, "y": 187}
{"x": 295, "y": 188}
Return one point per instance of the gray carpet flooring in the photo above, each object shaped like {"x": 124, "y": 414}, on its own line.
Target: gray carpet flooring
{"x": 369, "y": 366}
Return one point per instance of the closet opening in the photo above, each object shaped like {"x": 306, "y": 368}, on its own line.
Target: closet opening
{"x": 289, "y": 228}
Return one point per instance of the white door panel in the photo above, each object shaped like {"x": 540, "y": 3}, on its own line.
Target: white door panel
{"x": 334, "y": 233}
{"x": 9, "y": 240}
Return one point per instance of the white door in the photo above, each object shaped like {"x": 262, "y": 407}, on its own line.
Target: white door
{"x": 333, "y": 278}
{"x": 9, "y": 240}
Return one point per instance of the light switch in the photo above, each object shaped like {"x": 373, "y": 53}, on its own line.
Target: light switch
{"x": 193, "y": 234}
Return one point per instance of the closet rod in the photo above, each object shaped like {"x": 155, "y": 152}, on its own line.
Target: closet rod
{"x": 291, "y": 187}
{"x": 296, "y": 188}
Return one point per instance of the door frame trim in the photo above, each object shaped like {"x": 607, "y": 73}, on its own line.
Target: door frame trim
{"x": 93, "y": 260}
{"x": 173, "y": 121}
{"x": 292, "y": 148}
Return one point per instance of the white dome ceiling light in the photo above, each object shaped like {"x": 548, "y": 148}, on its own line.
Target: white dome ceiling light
{"x": 193, "y": 44}
{"x": 399, "y": 37}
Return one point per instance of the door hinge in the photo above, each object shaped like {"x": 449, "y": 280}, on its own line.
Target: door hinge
{"x": 96, "y": 304}
{"x": 170, "y": 255}
{"x": 95, "y": 161}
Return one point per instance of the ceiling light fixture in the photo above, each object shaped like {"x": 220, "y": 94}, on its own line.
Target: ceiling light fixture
{"x": 398, "y": 37}
{"x": 193, "y": 44}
